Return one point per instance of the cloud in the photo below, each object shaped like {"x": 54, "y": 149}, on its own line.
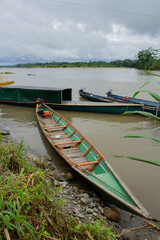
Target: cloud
{"x": 56, "y": 30}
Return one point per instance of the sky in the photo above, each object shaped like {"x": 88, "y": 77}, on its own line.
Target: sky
{"x": 77, "y": 30}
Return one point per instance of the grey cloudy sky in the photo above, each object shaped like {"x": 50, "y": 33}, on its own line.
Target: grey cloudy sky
{"x": 77, "y": 30}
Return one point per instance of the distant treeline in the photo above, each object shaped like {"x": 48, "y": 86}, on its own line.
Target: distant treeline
{"x": 94, "y": 64}
{"x": 146, "y": 59}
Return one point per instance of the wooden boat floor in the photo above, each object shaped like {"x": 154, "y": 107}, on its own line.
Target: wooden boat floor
{"x": 72, "y": 153}
{"x": 58, "y": 135}
{"x": 75, "y": 155}
{"x": 50, "y": 124}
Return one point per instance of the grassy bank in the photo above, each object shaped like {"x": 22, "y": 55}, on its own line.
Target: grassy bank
{"x": 29, "y": 203}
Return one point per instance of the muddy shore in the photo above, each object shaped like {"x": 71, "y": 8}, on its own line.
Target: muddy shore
{"x": 86, "y": 204}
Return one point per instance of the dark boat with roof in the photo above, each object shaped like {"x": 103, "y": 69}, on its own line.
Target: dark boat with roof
{"x": 59, "y": 99}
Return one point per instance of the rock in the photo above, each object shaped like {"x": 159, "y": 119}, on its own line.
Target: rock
{"x": 100, "y": 209}
{"x": 62, "y": 174}
{"x": 112, "y": 215}
{"x": 95, "y": 210}
{"x": 92, "y": 204}
{"x": 75, "y": 189}
{"x": 5, "y": 132}
{"x": 83, "y": 200}
{"x": 86, "y": 195}
{"x": 97, "y": 200}
{"x": 56, "y": 183}
{"x": 89, "y": 210}
{"x": 76, "y": 211}
{"x": 127, "y": 234}
{"x": 80, "y": 215}
{"x": 69, "y": 176}
{"x": 95, "y": 214}
{"x": 81, "y": 190}
{"x": 64, "y": 184}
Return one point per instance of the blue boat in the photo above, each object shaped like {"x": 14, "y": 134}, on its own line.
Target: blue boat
{"x": 149, "y": 106}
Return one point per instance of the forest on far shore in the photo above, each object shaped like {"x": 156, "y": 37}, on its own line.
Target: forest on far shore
{"x": 148, "y": 59}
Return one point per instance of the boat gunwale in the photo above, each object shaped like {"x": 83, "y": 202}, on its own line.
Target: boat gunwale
{"x": 146, "y": 103}
{"x": 94, "y": 148}
{"x": 139, "y": 209}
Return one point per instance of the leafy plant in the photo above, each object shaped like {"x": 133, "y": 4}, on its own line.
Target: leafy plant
{"x": 156, "y": 163}
{"x": 149, "y": 115}
{"x": 98, "y": 229}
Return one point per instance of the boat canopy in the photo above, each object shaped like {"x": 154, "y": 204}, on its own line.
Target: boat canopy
{"x": 29, "y": 94}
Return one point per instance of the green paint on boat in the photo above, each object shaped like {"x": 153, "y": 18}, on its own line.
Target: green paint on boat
{"x": 84, "y": 158}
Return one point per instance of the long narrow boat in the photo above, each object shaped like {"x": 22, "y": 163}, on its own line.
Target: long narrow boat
{"x": 97, "y": 98}
{"x": 85, "y": 159}
{"x": 149, "y": 106}
{"x": 5, "y": 83}
{"x": 59, "y": 99}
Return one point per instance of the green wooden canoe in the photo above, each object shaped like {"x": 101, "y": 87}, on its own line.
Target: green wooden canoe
{"x": 84, "y": 158}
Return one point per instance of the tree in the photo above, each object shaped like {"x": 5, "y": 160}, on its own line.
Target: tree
{"x": 148, "y": 59}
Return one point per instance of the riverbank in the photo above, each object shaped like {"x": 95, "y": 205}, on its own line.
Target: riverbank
{"x": 86, "y": 205}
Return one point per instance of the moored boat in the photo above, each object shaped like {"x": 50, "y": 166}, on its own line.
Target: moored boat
{"x": 59, "y": 99}
{"x": 5, "y": 83}
{"x": 85, "y": 159}
{"x": 94, "y": 97}
{"x": 149, "y": 106}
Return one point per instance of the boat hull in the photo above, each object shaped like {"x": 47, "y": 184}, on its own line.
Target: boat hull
{"x": 6, "y": 83}
{"x": 85, "y": 159}
{"x": 149, "y": 106}
{"x": 59, "y": 99}
{"x": 85, "y": 107}
{"x": 94, "y": 97}
{"x": 96, "y": 108}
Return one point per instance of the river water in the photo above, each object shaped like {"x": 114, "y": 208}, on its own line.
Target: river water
{"x": 104, "y": 131}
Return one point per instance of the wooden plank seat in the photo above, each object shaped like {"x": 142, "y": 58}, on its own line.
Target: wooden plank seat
{"x": 71, "y": 150}
{"x": 55, "y": 132}
{"x": 54, "y": 129}
{"x": 56, "y": 126}
{"x": 87, "y": 163}
{"x": 84, "y": 165}
{"x": 61, "y": 139}
{"x": 66, "y": 144}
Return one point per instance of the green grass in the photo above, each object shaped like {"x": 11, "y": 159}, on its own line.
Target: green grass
{"x": 29, "y": 204}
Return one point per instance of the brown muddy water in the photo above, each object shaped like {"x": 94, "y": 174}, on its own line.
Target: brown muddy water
{"x": 104, "y": 131}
